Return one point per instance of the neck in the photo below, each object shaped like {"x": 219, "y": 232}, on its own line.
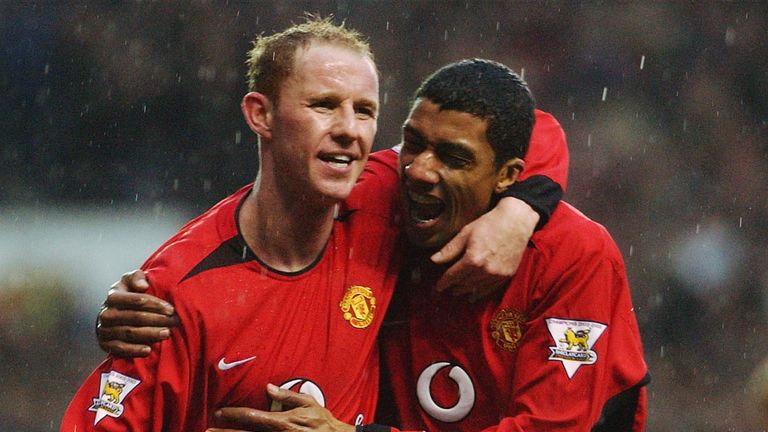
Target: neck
{"x": 287, "y": 233}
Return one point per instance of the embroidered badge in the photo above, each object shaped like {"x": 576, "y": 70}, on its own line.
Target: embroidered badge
{"x": 573, "y": 342}
{"x": 506, "y": 328}
{"x": 113, "y": 389}
{"x": 358, "y": 306}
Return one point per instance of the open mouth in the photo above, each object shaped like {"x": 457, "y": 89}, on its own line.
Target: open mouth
{"x": 424, "y": 208}
{"x": 337, "y": 160}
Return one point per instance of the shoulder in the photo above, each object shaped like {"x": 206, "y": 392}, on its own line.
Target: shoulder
{"x": 376, "y": 189}
{"x": 570, "y": 237}
{"x": 195, "y": 242}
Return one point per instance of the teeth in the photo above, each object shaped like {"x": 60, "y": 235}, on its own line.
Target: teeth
{"x": 337, "y": 159}
{"x": 425, "y": 208}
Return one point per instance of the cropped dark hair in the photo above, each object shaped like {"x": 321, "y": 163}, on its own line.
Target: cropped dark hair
{"x": 489, "y": 91}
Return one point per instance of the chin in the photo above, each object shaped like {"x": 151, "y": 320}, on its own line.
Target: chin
{"x": 337, "y": 192}
{"x": 423, "y": 239}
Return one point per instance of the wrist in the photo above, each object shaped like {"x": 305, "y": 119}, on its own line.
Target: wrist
{"x": 519, "y": 211}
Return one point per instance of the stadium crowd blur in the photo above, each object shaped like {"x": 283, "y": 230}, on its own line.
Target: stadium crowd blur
{"x": 134, "y": 107}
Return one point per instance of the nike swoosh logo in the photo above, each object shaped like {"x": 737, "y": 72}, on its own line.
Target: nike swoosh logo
{"x": 223, "y": 365}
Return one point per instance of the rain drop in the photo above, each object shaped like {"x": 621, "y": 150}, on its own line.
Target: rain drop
{"x": 642, "y": 62}
{"x": 605, "y": 93}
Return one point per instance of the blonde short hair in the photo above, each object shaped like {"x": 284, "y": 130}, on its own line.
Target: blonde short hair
{"x": 271, "y": 59}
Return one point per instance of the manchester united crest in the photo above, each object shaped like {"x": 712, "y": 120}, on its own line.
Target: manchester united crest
{"x": 506, "y": 328}
{"x": 358, "y": 306}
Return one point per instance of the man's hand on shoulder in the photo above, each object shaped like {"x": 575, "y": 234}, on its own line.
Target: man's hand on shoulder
{"x": 130, "y": 320}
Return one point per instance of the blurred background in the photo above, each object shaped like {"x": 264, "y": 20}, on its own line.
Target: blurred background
{"x": 120, "y": 120}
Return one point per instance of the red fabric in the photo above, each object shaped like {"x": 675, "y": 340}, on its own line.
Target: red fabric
{"x": 573, "y": 276}
{"x": 293, "y": 325}
{"x": 547, "y": 153}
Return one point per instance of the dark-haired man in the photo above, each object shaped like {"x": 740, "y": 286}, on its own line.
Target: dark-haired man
{"x": 288, "y": 279}
{"x": 559, "y": 349}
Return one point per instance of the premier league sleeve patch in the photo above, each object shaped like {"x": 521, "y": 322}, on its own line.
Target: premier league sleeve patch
{"x": 113, "y": 389}
{"x": 573, "y": 342}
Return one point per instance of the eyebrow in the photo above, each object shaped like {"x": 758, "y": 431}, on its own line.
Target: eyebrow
{"x": 445, "y": 145}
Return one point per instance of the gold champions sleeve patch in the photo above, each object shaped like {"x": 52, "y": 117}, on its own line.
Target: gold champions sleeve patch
{"x": 113, "y": 389}
{"x": 573, "y": 342}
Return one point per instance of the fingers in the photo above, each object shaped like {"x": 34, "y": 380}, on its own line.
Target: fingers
{"x": 124, "y": 349}
{"x": 133, "y": 335}
{"x": 453, "y": 278}
{"x": 249, "y": 419}
{"x": 111, "y": 316}
{"x": 288, "y": 399}
{"x": 470, "y": 276}
{"x": 135, "y": 281}
{"x": 140, "y": 302}
{"x": 124, "y": 341}
{"x": 452, "y": 249}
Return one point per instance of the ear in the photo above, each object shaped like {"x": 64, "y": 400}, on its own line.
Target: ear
{"x": 258, "y": 112}
{"x": 508, "y": 174}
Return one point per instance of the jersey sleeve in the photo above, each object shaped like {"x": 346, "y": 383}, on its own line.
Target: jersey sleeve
{"x": 147, "y": 394}
{"x": 131, "y": 394}
{"x": 580, "y": 349}
{"x": 545, "y": 177}
{"x": 376, "y": 191}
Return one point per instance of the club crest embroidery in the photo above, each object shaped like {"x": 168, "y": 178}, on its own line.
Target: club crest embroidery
{"x": 358, "y": 306}
{"x": 113, "y": 388}
{"x": 573, "y": 342}
{"x": 506, "y": 328}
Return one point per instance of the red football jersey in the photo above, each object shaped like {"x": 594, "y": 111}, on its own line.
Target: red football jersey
{"x": 547, "y": 353}
{"x": 244, "y": 325}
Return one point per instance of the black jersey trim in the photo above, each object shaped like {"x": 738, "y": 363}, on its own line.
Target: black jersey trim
{"x": 236, "y": 251}
{"x": 619, "y": 411}
{"x": 223, "y": 256}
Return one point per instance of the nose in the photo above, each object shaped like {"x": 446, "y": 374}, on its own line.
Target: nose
{"x": 345, "y": 129}
{"x": 423, "y": 169}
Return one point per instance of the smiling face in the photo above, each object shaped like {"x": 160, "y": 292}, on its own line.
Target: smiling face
{"x": 318, "y": 136}
{"x": 447, "y": 172}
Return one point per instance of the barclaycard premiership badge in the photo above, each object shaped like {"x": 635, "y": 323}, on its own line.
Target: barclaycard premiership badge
{"x": 358, "y": 306}
{"x": 506, "y": 328}
{"x": 574, "y": 341}
{"x": 113, "y": 389}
